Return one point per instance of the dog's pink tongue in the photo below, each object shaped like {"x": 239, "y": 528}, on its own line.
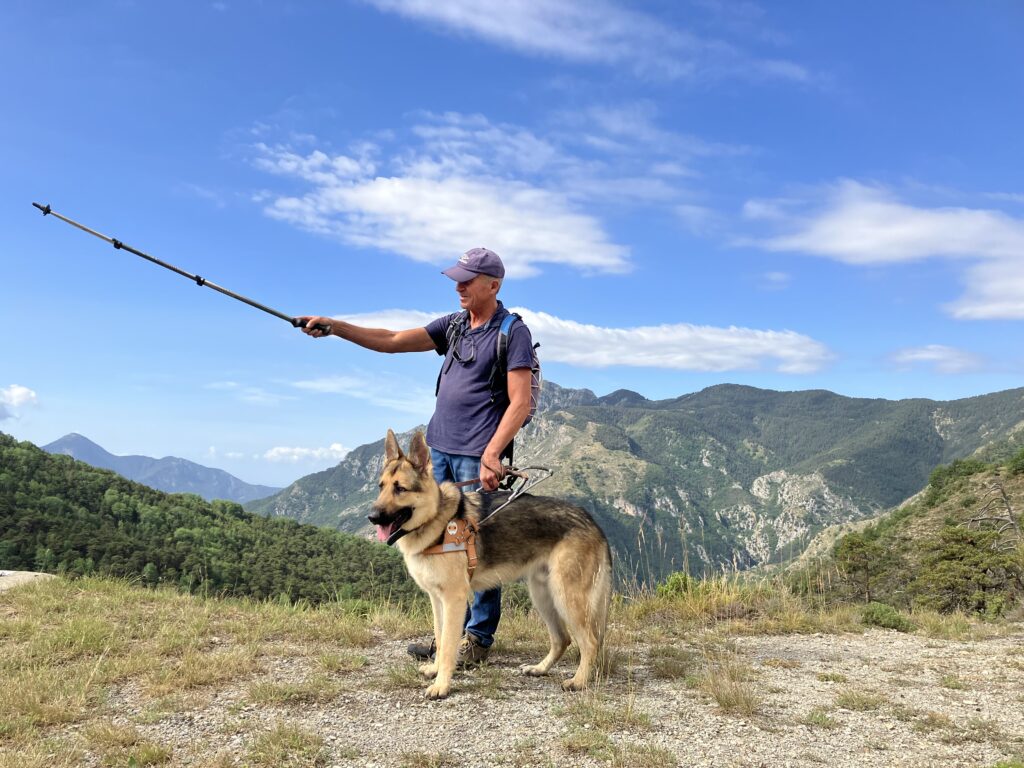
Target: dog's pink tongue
{"x": 383, "y": 531}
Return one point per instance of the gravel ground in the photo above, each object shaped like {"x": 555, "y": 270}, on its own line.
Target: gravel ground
{"x": 922, "y": 702}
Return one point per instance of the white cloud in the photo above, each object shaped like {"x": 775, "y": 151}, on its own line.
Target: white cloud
{"x": 468, "y": 183}
{"x": 596, "y": 32}
{"x": 204, "y": 193}
{"x": 943, "y": 359}
{"x": 698, "y": 219}
{"x": 432, "y": 220}
{"x": 680, "y": 346}
{"x": 398, "y": 396}
{"x": 459, "y": 180}
{"x": 995, "y": 290}
{"x": 867, "y": 225}
{"x": 775, "y": 281}
{"x": 13, "y": 398}
{"x": 294, "y": 455}
{"x": 249, "y": 393}
{"x": 393, "y": 319}
{"x": 635, "y": 124}
{"x": 864, "y": 224}
{"x": 1007, "y": 197}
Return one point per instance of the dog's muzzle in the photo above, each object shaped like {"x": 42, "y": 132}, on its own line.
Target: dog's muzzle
{"x": 389, "y": 526}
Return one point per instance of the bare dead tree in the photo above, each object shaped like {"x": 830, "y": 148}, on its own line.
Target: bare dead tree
{"x": 997, "y": 513}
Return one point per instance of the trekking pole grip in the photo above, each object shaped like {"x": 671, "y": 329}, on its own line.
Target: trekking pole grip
{"x": 322, "y": 327}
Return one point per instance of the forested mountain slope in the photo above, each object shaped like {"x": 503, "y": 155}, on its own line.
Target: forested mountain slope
{"x": 58, "y": 514}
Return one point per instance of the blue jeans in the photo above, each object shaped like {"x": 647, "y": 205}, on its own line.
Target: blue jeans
{"x": 483, "y": 615}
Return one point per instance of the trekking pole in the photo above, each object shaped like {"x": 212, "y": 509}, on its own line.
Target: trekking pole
{"x": 200, "y": 281}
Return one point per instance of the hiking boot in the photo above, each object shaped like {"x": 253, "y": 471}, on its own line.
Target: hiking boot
{"x": 471, "y": 653}
{"x": 423, "y": 651}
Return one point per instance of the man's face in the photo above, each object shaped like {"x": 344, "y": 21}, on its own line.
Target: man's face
{"x": 475, "y": 294}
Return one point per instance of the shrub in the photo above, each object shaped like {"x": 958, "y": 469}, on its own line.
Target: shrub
{"x": 1016, "y": 463}
{"x": 676, "y": 584}
{"x": 882, "y": 615}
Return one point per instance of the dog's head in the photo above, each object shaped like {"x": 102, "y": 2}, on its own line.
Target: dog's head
{"x": 404, "y": 502}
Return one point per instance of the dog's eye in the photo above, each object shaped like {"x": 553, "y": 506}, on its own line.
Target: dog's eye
{"x": 399, "y": 489}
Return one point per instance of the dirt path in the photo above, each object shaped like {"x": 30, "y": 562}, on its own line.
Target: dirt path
{"x": 877, "y": 699}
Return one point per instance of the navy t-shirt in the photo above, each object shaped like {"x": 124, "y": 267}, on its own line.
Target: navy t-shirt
{"x": 464, "y": 419}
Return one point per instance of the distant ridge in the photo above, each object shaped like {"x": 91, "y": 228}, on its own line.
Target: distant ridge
{"x": 169, "y": 474}
{"x": 722, "y": 479}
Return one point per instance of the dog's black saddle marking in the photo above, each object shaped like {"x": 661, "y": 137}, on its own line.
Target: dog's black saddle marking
{"x": 490, "y": 501}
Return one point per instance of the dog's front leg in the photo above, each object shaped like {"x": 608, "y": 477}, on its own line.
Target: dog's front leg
{"x": 437, "y": 608}
{"x": 453, "y": 609}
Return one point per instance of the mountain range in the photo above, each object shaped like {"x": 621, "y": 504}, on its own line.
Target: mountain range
{"x": 169, "y": 474}
{"x": 725, "y": 478}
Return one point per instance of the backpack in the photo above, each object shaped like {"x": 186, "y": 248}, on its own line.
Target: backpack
{"x": 498, "y": 381}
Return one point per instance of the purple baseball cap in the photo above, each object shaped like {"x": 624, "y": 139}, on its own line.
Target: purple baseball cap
{"x": 476, "y": 261}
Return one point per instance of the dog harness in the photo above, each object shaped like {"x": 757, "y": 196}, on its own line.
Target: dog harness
{"x": 459, "y": 536}
{"x": 460, "y": 532}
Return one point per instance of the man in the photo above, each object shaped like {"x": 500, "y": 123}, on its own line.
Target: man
{"x": 470, "y": 428}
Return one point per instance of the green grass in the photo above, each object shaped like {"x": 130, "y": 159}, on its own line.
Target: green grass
{"x": 819, "y": 718}
{"x": 860, "y": 701}
{"x": 831, "y": 677}
{"x": 313, "y": 689}
{"x": 287, "y": 746}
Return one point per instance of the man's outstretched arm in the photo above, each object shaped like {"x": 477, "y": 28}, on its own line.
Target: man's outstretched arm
{"x": 377, "y": 339}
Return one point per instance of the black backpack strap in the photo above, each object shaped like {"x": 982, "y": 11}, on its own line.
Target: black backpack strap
{"x": 498, "y": 382}
{"x": 452, "y": 334}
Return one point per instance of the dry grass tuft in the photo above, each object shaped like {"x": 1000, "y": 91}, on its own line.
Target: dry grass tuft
{"x": 287, "y": 746}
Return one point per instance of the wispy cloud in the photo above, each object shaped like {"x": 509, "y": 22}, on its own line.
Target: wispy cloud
{"x": 864, "y": 224}
{"x": 1007, "y": 197}
{"x": 203, "y": 193}
{"x": 295, "y": 455}
{"x": 678, "y": 346}
{"x": 940, "y": 358}
{"x": 433, "y": 212}
{"x": 405, "y": 398}
{"x": 596, "y": 32}
{"x": 452, "y": 181}
{"x": 775, "y": 281}
{"x": 13, "y": 398}
{"x": 248, "y": 393}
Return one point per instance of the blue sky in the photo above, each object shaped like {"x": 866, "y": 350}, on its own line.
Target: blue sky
{"x": 787, "y": 195}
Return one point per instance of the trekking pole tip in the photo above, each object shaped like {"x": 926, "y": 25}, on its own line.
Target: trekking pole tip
{"x": 44, "y": 208}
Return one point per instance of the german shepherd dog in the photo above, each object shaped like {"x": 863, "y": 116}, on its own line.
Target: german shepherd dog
{"x": 558, "y": 548}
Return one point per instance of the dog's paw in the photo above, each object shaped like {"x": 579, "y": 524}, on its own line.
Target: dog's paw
{"x": 533, "y": 670}
{"x": 429, "y": 670}
{"x": 438, "y": 691}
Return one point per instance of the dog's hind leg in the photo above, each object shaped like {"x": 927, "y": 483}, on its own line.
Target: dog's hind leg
{"x": 543, "y": 601}
{"x": 581, "y": 586}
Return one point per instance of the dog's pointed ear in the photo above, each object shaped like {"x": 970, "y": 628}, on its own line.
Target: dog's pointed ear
{"x": 419, "y": 453}
{"x": 391, "y": 449}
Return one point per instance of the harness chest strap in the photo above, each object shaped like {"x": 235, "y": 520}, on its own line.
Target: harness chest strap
{"x": 459, "y": 536}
